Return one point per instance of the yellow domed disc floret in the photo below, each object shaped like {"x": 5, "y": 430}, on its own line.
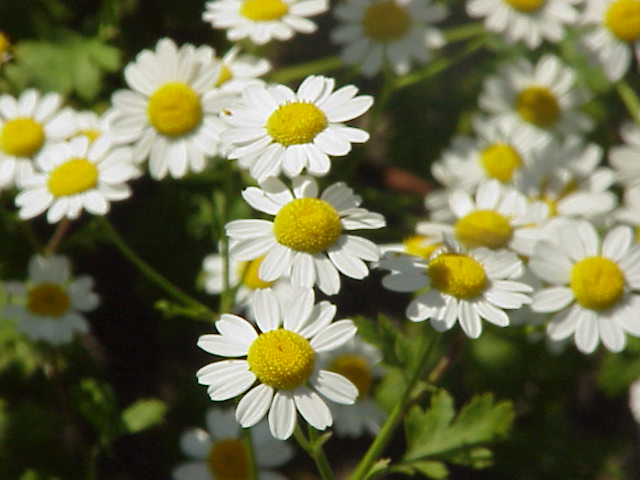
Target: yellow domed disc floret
{"x": 457, "y": 275}
{"x": 281, "y": 359}
{"x": 307, "y": 225}
{"x": 21, "y": 137}
{"x": 354, "y": 368}
{"x": 500, "y": 161}
{"x": 248, "y": 274}
{"x": 483, "y": 228}
{"x": 174, "y": 109}
{"x": 622, "y": 18}
{"x": 386, "y": 21}
{"x": 526, "y": 5}
{"x": 48, "y": 300}
{"x": 597, "y": 283}
{"x": 538, "y": 105}
{"x": 296, "y": 123}
{"x": 228, "y": 459}
{"x": 263, "y": 10}
{"x": 73, "y": 176}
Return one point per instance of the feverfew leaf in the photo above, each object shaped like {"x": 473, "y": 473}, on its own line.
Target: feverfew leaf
{"x": 143, "y": 414}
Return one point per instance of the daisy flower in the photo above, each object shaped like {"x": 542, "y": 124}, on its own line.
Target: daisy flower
{"x": 273, "y": 129}
{"x": 613, "y": 35}
{"x": 545, "y": 96}
{"x": 305, "y": 240}
{"x": 91, "y": 125}
{"x": 219, "y": 453}
{"x": 530, "y": 21}
{"x": 27, "y": 125}
{"x": 243, "y": 276}
{"x": 497, "y": 217}
{"x": 263, "y": 20}
{"x": 235, "y": 71}
{"x": 281, "y": 357}
{"x": 569, "y": 179}
{"x": 171, "y": 113}
{"x": 49, "y": 305}
{"x": 592, "y": 285}
{"x": 625, "y": 158}
{"x": 463, "y": 286}
{"x": 76, "y": 175}
{"x": 388, "y": 32}
{"x": 358, "y": 362}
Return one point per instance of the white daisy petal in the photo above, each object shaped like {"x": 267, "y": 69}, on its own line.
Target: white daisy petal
{"x": 333, "y": 336}
{"x": 335, "y": 387}
{"x": 312, "y": 408}
{"x": 282, "y": 415}
{"x": 254, "y": 405}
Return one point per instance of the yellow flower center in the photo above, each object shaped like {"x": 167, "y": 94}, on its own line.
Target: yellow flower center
{"x": 73, "y": 176}
{"x": 386, "y": 21}
{"x": 526, "y": 5}
{"x": 21, "y": 137}
{"x": 597, "y": 283}
{"x": 224, "y": 75}
{"x": 248, "y": 273}
{"x": 296, "y": 123}
{"x": 174, "y": 109}
{"x": 622, "y": 18}
{"x": 228, "y": 459}
{"x": 419, "y": 245}
{"x": 500, "y": 161}
{"x": 356, "y": 369}
{"x": 538, "y": 105}
{"x": 91, "y": 134}
{"x": 483, "y": 228}
{"x": 48, "y": 300}
{"x": 263, "y": 10}
{"x": 281, "y": 359}
{"x": 457, "y": 275}
{"x": 307, "y": 225}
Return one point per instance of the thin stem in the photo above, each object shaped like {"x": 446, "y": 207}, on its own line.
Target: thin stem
{"x": 463, "y": 32}
{"x": 316, "y": 452}
{"x": 630, "y": 99}
{"x": 248, "y": 441}
{"x": 302, "y": 70}
{"x": 322, "y": 462}
{"x": 58, "y": 235}
{"x": 151, "y": 273}
{"x": 386, "y": 431}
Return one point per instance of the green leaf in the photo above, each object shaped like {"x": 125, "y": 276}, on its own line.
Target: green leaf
{"x": 619, "y": 370}
{"x": 432, "y": 469}
{"x": 143, "y": 414}
{"x": 96, "y": 402}
{"x": 436, "y": 434}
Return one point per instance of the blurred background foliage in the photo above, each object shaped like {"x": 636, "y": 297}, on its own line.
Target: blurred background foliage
{"x": 113, "y": 404}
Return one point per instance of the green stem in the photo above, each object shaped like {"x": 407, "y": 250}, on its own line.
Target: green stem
{"x": 151, "y": 273}
{"x": 386, "y": 431}
{"x": 630, "y": 99}
{"x": 302, "y": 70}
{"x": 248, "y": 442}
{"x": 57, "y": 236}
{"x": 316, "y": 452}
{"x": 463, "y": 32}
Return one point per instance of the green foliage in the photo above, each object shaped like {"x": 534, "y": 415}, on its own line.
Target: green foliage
{"x": 619, "y": 370}
{"x": 437, "y": 435}
{"x": 143, "y": 414}
{"x": 96, "y": 402}
{"x": 70, "y": 64}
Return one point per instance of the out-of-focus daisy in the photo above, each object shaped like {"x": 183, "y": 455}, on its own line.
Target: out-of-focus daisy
{"x": 305, "y": 240}
{"x": 358, "y": 362}
{"x": 497, "y": 217}
{"x": 545, "y": 96}
{"x": 27, "y": 125}
{"x": 614, "y": 34}
{"x": 376, "y": 33}
{"x": 629, "y": 211}
{"x": 91, "y": 125}
{"x": 282, "y": 358}
{"x": 463, "y": 286}
{"x": 273, "y": 129}
{"x": 5, "y": 48}
{"x": 593, "y": 284}
{"x": 634, "y": 400}
{"x": 235, "y": 71}
{"x": 263, "y": 20}
{"x": 530, "y": 21}
{"x": 243, "y": 276}
{"x": 49, "y": 306}
{"x": 219, "y": 453}
{"x": 502, "y": 151}
{"x": 568, "y": 177}
{"x": 419, "y": 245}
{"x": 76, "y": 175}
{"x": 625, "y": 159}
{"x": 171, "y": 113}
